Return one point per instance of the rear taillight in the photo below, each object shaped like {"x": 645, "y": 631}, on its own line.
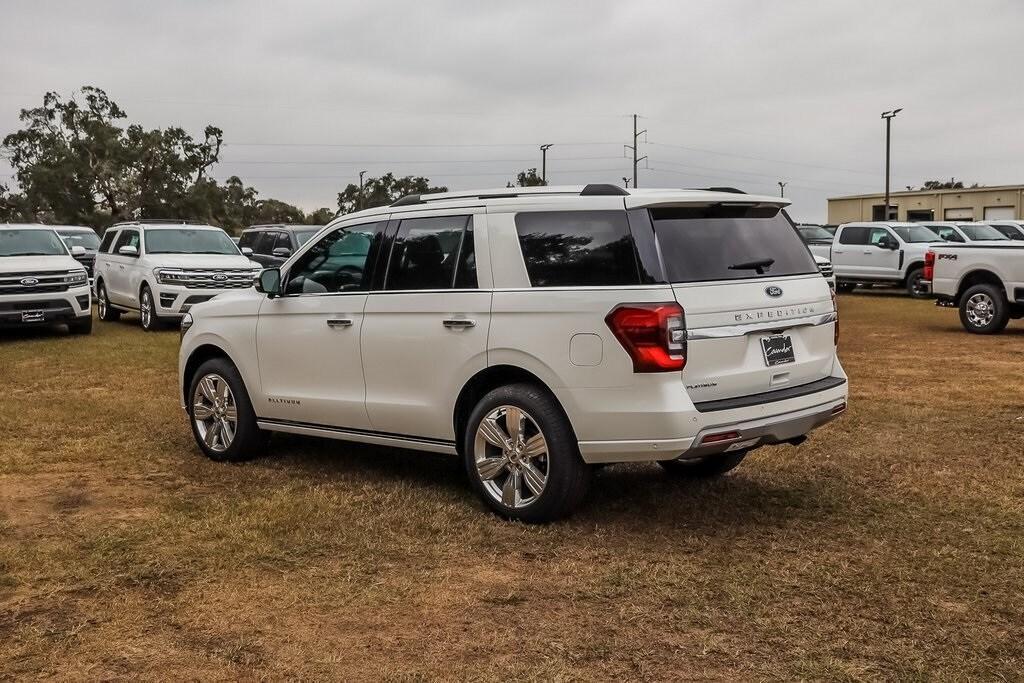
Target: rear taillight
{"x": 929, "y": 265}
{"x": 654, "y": 335}
{"x": 835, "y": 305}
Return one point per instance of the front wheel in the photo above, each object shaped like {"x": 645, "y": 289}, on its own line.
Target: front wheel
{"x": 915, "y": 284}
{"x": 223, "y": 421}
{"x": 984, "y": 309}
{"x": 147, "y": 311}
{"x": 709, "y": 466}
{"x": 522, "y": 456}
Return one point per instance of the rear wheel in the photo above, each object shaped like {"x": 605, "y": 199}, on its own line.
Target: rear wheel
{"x": 522, "y": 456}
{"x": 222, "y": 418}
{"x": 709, "y": 466}
{"x": 845, "y": 287}
{"x": 915, "y": 284}
{"x": 107, "y": 314}
{"x": 984, "y": 309}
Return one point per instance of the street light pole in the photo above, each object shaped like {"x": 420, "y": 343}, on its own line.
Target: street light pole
{"x": 888, "y": 116}
{"x": 361, "y": 174}
{"x": 544, "y": 162}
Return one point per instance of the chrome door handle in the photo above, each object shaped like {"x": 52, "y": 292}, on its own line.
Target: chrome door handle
{"x": 458, "y": 323}
{"x": 339, "y": 322}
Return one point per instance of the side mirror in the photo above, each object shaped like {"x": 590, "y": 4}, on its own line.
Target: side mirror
{"x": 269, "y": 282}
{"x": 128, "y": 251}
{"x": 246, "y": 251}
{"x": 282, "y": 252}
{"x": 888, "y": 243}
{"x": 78, "y": 251}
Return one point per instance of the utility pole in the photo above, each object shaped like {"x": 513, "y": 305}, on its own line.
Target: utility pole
{"x": 361, "y": 174}
{"x": 888, "y": 116}
{"x": 544, "y": 162}
{"x": 782, "y": 188}
{"x": 636, "y": 136}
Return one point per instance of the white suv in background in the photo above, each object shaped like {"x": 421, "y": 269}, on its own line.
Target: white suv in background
{"x": 885, "y": 253}
{"x": 40, "y": 281}
{"x": 535, "y": 332}
{"x": 161, "y": 269}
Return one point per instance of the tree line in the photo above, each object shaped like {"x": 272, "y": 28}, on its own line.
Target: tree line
{"x": 77, "y": 163}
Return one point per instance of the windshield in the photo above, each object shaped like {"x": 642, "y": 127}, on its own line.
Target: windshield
{"x": 982, "y": 232}
{"x": 916, "y": 233}
{"x": 187, "y": 241}
{"x": 20, "y": 242}
{"x": 302, "y": 236}
{"x": 88, "y": 240}
{"x": 729, "y": 243}
{"x": 814, "y": 232}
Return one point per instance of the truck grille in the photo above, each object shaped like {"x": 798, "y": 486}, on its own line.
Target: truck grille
{"x": 218, "y": 278}
{"x": 33, "y": 283}
{"x": 826, "y": 269}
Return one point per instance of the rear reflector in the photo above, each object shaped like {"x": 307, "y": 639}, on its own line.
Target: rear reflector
{"x": 720, "y": 437}
{"x": 654, "y": 335}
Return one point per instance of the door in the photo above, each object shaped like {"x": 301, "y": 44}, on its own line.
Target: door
{"x": 850, "y": 255}
{"x": 117, "y": 275}
{"x": 308, "y": 339}
{"x": 425, "y": 331}
{"x": 881, "y": 261}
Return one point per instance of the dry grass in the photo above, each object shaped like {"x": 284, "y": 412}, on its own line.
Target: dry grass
{"x": 891, "y": 545}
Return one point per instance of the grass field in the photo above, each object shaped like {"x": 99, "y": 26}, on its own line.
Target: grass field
{"x": 889, "y": 546}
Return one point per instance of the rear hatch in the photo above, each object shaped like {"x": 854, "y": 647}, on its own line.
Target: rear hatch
{"x": 759, "y": 316}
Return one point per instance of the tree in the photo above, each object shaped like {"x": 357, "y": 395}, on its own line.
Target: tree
{"x": 75, "y": 164}
{"x": 321, "y": 216}
{"x": 528, "y": 178}
{"x": 383, "y": 191}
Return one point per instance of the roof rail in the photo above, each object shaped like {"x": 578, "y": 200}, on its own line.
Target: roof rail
{"x": 407, "y": 200}
{"x": 165, "y": 221}
{"x": 591, "y": 190}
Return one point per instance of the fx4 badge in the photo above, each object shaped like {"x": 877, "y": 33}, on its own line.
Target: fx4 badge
{"x": 951, "y": 257}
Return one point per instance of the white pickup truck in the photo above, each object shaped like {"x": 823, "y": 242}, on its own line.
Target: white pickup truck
{"x": 985, "y": 281}
{"x": 885, "y": 253}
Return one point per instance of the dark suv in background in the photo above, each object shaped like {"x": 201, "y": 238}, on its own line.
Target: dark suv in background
{"x": 81, "y": 236}
{"x": 271, "y": 245}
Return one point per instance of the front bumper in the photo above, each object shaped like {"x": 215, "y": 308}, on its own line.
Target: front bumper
{"x": 174, "y": 301}
{"x": 49, "y": 308}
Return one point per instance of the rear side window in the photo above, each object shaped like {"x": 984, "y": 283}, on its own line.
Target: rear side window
{"x": 425, "y": 253}
{"x": 854, "y": 235}
{"x": 108, "y": 239}
{"x": 700, "y": 244}
{"x": 577, "y": 248}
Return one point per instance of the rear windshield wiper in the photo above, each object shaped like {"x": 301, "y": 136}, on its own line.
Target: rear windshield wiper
{"x": 760, "y": 265}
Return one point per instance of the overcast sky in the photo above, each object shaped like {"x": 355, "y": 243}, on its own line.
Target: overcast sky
{"x": 733, "y": 93}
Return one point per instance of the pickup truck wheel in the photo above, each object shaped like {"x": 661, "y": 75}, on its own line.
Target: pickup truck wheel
{"x": 107, "y": 314}
{"x": 710, "y": 466}
{"x": 81, "y": 326}
{"x": 984, "y": 309}
{"x": 522, "y": 456}
{"x": 845, "y": 287}
{"x": 915, "y": 284}
{"x": 221, "y": 415}
{"x": 147, "y": 311}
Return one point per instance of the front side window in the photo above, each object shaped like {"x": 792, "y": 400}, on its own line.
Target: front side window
{"x": 707, "y": 243}
{"x": 302, "y": 236}
{"x": 877, "y": 236}
{"x": 21, "y": 242}
{"x": 577, "y": 248}
{"x": 948, "y": 234}
{"x": 341, "y": 261}
{"x": 127, "y": 238}
{"x": 248, "y": 239}
{"x": 265, "y": 242}
{"x": 189, "y": 241}
{"x": 425, "y": 253}
{"x": 76, "y": 238}
{"x": 914, "y": 234}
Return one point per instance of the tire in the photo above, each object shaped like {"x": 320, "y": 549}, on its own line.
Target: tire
{"x": 245, "y": 440}
{"x": 845, "y": 287}
{"x": 81, "y": 326}
{"x": 540, "y": 487}
{"x": 107, "y": 314}
{"x": 709, "y": 466}
{"x": 984, "y": 309}
{"x": 914, "y": 286}
{"x": 147, "y": 311}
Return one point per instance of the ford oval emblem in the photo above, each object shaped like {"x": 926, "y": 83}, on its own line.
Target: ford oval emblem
{"x": 29, "y": 281}
{"x": 773, "y": 291}
{"x": 220, "y": 277}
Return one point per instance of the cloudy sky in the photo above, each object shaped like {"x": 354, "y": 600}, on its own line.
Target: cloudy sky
{"x": 743, "y": 93}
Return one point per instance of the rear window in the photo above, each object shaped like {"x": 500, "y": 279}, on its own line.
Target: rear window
{"x": 700, "y": 244}
{"x": 577, "y": 248}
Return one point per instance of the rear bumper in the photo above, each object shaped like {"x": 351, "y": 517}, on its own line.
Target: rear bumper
{"x": 741, "y": 428}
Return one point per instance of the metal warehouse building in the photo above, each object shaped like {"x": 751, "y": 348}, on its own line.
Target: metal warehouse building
{"x": 966, "y": 204}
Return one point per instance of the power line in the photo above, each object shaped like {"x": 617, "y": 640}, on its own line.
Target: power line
{"x": 438, "y": 175}
{"x": 752, "y": 173}
{"x": 751, "y": 158}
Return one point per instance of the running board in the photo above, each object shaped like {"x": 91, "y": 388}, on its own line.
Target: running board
{"x": 374, "y": 438}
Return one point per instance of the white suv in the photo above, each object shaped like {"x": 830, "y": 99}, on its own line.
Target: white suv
{"x": 40, "y": 281}
{"x": 536, "y": 332}
{"x": 161, "y": 269}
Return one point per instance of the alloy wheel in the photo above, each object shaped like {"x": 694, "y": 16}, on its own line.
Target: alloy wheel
{"x": 146, "y": 309}
{"x": 511, "y": 456}
{"x": 214, "y": 412}
{"x": 102, "y": 301}
{"x": 981, "y": 309}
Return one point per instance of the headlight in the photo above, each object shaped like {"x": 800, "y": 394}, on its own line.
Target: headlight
{"x": 186, "y": 323}
{"x": 170, "y": 276}
{"x": 76, "y": 277}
